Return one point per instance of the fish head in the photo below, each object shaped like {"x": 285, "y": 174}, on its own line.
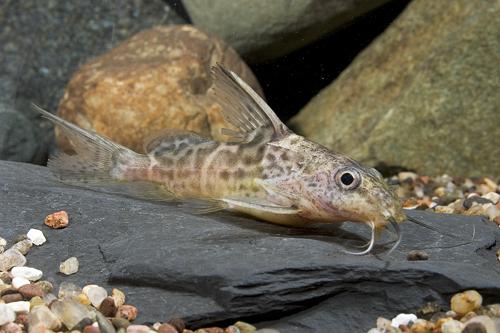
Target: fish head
{"x": 348, "y": 191}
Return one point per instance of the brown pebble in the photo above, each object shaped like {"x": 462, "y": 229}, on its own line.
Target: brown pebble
{"x": 22, "y": 318}
{"x": 108, "y": 307}
{"x": 474, "y": 328}
{"x": 6, "y": 277}
{"x": 91, "y": 329}
{"x": 178, "y": 323}
{"x": 128, "y": 312}
{"x": 416, "y": 255}
{"x": 57, "y": 220}
{"x": 7, "y": 291}
{"x": 404, "y": 328}
{"x": 167, "y": 328}
{"x": 30, "y": 290}
{"x": 497, "y": 220}
{"x": 9, "y": 298}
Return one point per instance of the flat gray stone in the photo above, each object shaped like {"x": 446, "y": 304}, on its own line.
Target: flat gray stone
{"x": 220, "y": 267}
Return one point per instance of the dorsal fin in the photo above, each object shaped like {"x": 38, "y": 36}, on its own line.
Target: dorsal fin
{"x": 242, "y": 106}
{"x": 171, "y": 140}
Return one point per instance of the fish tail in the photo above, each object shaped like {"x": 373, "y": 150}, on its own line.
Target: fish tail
{"x": 96, "y": 159}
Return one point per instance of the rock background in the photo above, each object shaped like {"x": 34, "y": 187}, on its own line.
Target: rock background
{"x": 172, "y": 263}
{"x": 43, "y": 42}
{"x": 155, "y": 80}
{"x": 261, "y": 30}
{"x": 423, "y": 96}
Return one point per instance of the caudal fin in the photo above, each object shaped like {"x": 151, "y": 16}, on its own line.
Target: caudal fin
{"x": 96, "y": 159}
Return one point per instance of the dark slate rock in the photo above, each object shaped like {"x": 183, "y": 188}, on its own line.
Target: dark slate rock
{"x": 219, "y": 268}
{"x": 43, "y": 42}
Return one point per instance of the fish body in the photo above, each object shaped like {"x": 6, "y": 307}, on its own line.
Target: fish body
{"x": 264, "y": 170}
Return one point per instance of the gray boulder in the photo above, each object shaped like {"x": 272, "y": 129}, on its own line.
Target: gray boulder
{"x": 17, "y": 140}
{"x": 220, "y": 268}
{"x": 261, "y": 30}
{"x": 43, "y": 42}
{"x": 423, "y": 96}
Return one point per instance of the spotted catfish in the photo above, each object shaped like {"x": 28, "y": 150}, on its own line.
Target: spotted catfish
{"x": 263, "y": 170}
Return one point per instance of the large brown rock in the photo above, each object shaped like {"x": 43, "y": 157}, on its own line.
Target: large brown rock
{"x": 425, "y": 95}
{"x": 155, "y": 80}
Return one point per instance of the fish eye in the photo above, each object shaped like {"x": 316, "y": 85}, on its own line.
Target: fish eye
{"x": 347, "y": 178}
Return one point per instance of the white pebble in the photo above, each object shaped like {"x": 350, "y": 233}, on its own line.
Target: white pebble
{"x": 403, "y": 319}
{"x": 36, "y": 236}
{"x": 3, "y": 242}
{"x": 19, "y": 281}
{"x": 452, "y": 326}
{"x": 95, "y": 294}
{"x": 492, "y": 196}
{"x": 69, "y": 266}
{"x": 21, "y": 306}
{"x": 29, "y": 273}
{"x": 6, "y": 314}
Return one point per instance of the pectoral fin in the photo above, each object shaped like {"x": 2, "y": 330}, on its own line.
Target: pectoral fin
{"x": 265, "y": 211}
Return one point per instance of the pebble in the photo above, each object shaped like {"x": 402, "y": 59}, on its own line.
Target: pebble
{"x": 36, "y": 301}
{"x": 41, "y": 315}
{"x": 232, "y": 329}
{"x": 29, "y": 273}
{"x": 493, "y": 197}
{"x": 95, "y": 293}
{"x": 68, "y": 289}
{"x": 46, "y": 286}
{"x": 57, "y": 220}
{"x": 7, "y": 315}
{"x": 138, "y": 329}
{"x": 20, "y": 306}
{"x": 36, "y": 236}
{"x": 23, "y": 246}
{"x": 452, "y": 326}
{"x": 70, "y": 312}
{"x": 12, "y": 328}
{"x": 69, "y": 266}
{"x": 10, "y": 298}
{"x": 118, "y": 296}
{"x": 493, "y": 212}
{"x": 3, "y": 242}
{"x": 465, "y": 302}
{"x": 31, "y": 290}
{"x": 272, "y": 330}
{"x": 91, "y": 329}
{"x": 403, "y": 319}
{"x": 128, "y": 312}
{"x": 11, "y": 258}
{"x": 83, "y": 299}
{"x": 422, "y": 326}
{"x": 105, "y": 325}
{"x": 18, "y": 282}
{"x": 6, "y": 277}
{"x": 488, "y": 325}
{"x": 178, "y": 323}
{"x": 120, "y": 322}
{"x": 167, "y": 328}
{"x": 49, "y": 298}
{"x": 416, "y": 255}
{"x": 475, "y": 200}
{"x": 108, "y": 307}
{"x": 245, "y": 327}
